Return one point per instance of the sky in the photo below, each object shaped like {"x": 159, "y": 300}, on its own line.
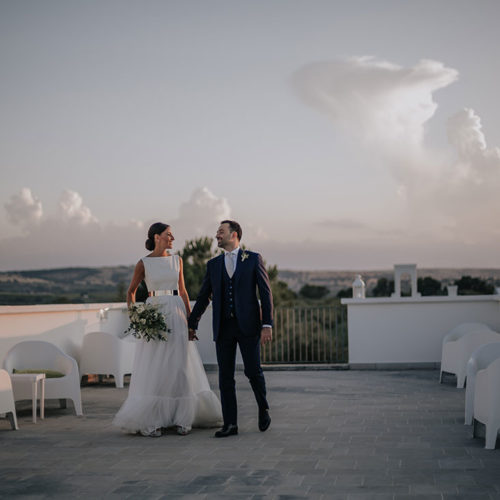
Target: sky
{"x": 342, "y": 135}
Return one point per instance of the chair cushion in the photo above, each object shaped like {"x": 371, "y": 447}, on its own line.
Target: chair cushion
{"x": 48, "y": 373}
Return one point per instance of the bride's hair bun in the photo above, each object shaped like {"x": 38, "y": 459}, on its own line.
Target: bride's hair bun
{"x": 156, "y": 228}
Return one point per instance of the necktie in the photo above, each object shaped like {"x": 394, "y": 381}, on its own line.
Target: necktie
{"x": 229, "y": 264}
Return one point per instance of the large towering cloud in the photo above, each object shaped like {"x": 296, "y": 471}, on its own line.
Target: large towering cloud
{"x": 384, "y": 109}
{"x": 376, "y": 100}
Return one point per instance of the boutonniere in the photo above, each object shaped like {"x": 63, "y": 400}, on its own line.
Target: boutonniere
{"x": 244, "y": 256}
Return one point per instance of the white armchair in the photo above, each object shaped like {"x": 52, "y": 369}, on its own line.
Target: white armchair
{"x": 487, "y": 402}
{"x": 459, "y": 344}
{"x": 41, "y": 355}
{"x": 104, "y": 353}
{"x": 481, "y": 358}
{"x": 7, "y": 404}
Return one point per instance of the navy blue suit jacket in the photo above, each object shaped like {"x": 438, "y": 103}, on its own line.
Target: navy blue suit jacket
{"x": 250, "y": 275}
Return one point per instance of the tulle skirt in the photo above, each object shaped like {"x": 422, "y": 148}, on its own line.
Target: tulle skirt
{"x": 169, "y": 386}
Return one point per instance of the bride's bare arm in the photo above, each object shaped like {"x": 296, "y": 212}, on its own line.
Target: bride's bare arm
{"x": 138, "y": 276}
{"x": 182, "y": 289}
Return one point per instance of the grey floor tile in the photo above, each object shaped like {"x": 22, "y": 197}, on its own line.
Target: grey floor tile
{"x": 334, "y": 435}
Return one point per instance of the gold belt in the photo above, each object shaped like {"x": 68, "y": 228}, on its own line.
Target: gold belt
{"x": 156, "y": 293}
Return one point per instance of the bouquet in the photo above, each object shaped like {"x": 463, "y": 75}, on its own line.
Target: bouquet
{"x": 147, "y": 323}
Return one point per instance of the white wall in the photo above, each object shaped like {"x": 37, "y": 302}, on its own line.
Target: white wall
{"x": 66, "y": 324}
{"x": 382, "y": 332}
{"x": 393, "y": 331}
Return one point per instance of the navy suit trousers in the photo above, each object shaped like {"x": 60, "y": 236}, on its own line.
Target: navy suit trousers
{"x": 229, "y": 337}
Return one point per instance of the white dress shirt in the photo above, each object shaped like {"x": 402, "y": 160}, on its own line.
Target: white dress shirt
{"x": 234, "y": 257}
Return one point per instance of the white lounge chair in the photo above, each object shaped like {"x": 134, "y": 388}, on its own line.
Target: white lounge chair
{"x": 43, "y": 356}
{"x": 487, "y": 402}
{"x": 481, "y": 358}
{"x": 104, "y": 353}
{"x": 459, "y": 345}
{"x": 7, "y": 405}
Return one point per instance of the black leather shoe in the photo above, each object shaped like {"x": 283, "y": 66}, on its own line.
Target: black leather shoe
{"x": 229, "y": 430}
{"x": 264, "y": 420}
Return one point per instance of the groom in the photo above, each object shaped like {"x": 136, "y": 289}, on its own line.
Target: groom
{"x": 231, "y": 281}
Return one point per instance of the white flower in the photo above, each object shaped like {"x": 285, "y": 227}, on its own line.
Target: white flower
{"x": 147, "y": 323}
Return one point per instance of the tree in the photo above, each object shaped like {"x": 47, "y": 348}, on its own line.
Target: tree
{"x": 121, "y": 292}
{"x": 429, "y": 286}
{"x": 383, "y": 288}
{"x": 195, "y": 255}
{"x": 315, "y": 292}
{"x": 282, "y": 294}
{"x": 474, "y": 286}
{"x": 345, "y": 293}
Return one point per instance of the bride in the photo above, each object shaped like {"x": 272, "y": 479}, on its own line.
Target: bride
{"x": 169, "y": 386}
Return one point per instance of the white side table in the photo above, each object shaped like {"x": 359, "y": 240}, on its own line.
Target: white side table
{"x": 22, "y": 381}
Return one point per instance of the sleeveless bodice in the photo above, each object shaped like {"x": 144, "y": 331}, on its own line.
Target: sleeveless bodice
{"x": 161, "y": 273}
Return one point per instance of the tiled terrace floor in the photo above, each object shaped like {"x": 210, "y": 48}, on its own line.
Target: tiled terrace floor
{"x": 334, "y": 434}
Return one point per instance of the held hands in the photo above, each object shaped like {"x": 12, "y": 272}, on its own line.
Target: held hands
{"x": 192, "y": 334}
{"x": 266, "y": 335}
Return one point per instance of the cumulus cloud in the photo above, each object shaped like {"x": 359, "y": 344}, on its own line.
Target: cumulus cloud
{"x": 73, "y": 236}
{"x": 200, "y": 215}
{"x": 384, "y": 109}
{"x": 24, "y": 208}
{"x": 466, "y": 135}
{"x": 71, "y": 208}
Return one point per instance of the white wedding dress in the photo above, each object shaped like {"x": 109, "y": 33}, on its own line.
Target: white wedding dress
{"x": 169, "y": 386}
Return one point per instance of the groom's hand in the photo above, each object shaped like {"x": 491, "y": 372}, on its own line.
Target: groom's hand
{"x": 192, "y": 334}
{"x": 266, "y": 335}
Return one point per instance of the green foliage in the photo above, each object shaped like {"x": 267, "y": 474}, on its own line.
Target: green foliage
{"x": 429, "y": 286}
{"x": 63, "y": 285}
{"x": 308, "y": 334}
{"x": 272, "y": 272}
{"x": 147, "y": 322}
{"x": 383, "y": 288}
{"x": 195, "y": 255}
{"x": 426, "y": 286}
{"x": 474, "y": 286}
{"x": 121, "y": 292}
{"x": 282, "y": 294}
{"x": 315, "y": 292}
{"x": 345, "y": 293}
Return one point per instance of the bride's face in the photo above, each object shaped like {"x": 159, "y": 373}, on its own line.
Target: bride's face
{"x": 166, "y": 238}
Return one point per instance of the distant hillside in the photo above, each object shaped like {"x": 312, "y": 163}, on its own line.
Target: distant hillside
{"x": 108, "y": 284}
{"x": 65, "y": 285}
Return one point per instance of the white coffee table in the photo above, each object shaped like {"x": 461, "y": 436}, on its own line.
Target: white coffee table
{"x": 22, "y": 382}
